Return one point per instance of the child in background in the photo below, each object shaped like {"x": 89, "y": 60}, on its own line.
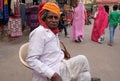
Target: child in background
{"x": 63, "y": 24}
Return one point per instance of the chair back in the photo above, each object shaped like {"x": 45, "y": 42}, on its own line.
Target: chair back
{"x": 23, "y": 51}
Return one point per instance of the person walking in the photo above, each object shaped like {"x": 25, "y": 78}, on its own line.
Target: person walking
{"x": 45, "y": 56}
{"x": 114, "y": 20}
{"x": 78, "y": 22}
{"x": 100, "y": 23}
{"x": 63, "y": 24}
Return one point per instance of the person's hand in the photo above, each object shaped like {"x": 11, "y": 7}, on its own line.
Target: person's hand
{"x": 56, "y": 77}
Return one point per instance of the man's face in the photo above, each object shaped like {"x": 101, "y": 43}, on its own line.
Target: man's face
{"x": 52, "y": 20}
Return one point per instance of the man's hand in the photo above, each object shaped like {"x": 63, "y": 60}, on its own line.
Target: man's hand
{"x": 56, "y": 77}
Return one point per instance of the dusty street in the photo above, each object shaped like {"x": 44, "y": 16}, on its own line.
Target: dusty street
{"x": 104, "y": 60}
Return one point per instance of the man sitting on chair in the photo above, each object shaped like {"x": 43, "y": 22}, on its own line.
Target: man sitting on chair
{"x": 45, "y": 56}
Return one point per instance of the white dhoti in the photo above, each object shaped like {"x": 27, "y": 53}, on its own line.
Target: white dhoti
{"x": 75, "y": 69}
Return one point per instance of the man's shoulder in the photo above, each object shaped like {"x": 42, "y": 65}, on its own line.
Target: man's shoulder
{"x": 40, "y": 30}
{"x": 115, "y": 12}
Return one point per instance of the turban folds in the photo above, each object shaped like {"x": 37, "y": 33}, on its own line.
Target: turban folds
{"x": 50, "y": 6}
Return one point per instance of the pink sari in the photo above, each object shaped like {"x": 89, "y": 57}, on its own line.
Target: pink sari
{"x": 100, "y": 23}
{"x": 77, "y": 29}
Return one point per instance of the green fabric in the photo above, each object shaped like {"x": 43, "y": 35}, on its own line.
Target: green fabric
{"x": 44, "y": 15}
{"x": 114, "y": 18}
{"x": 39, "y": 1}
{"x": 88, "y": 8}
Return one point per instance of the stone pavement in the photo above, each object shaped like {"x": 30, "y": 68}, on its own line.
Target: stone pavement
{"x": 104, "y": 60}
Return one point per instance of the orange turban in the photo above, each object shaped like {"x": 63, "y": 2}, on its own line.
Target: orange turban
{"x": 50, "y": 6}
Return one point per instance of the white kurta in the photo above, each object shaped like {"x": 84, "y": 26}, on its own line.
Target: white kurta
{"x": 44, "y": 54}
{"x": 45, "y": 58}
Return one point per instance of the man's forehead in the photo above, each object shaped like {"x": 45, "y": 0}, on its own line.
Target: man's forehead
{"x": 51, "y": 13}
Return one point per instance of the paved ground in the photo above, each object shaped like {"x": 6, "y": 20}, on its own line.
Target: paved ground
{"x": 104, "y": 60}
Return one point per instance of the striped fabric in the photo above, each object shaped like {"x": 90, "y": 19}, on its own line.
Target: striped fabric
{"x": 14, "y": 27}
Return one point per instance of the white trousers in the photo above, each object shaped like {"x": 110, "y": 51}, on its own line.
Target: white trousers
{"x": 75, "y": 69}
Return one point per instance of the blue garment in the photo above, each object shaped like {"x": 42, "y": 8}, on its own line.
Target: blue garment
{"x": 23, "y": 15}
{"x": 112, "y": 32}
{"x": 39, "y": 1}
{"x": 4, "y": 14}
{"x": 1, "y": 14}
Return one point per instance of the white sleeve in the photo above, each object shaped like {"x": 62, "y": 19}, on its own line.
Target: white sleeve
{"x": 35, "y": 51}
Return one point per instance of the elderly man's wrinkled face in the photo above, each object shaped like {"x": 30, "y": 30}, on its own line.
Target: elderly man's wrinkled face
{"x": 52, "y": 20}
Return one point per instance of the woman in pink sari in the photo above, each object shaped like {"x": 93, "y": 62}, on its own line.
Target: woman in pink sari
{"x": 77, "y": 29}
{"x": 100, "y": 23}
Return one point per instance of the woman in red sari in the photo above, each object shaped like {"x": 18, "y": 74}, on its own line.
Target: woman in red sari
{"x": 100, "y": 23}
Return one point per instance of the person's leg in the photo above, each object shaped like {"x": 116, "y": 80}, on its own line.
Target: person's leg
{"x": 77, "y": 69}
{"x": 64, "y": 72}
{"x": 80, "y": 38}
{"x": 114, "y": 31}
{"x": 111, "y": 34}
{"x": 85, "y": 76}
{"x": 65, "y": 31}
{"x": 101, "y": 39}
{"x": 89, "y": 22}
{"x": 60, "y": 30}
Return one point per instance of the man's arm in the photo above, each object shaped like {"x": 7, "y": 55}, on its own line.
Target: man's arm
{"x": 36, "y": 45}
{"x": 56, "y": 77}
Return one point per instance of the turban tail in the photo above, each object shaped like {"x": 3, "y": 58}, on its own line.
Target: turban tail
{"x": 52, "y": 7}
